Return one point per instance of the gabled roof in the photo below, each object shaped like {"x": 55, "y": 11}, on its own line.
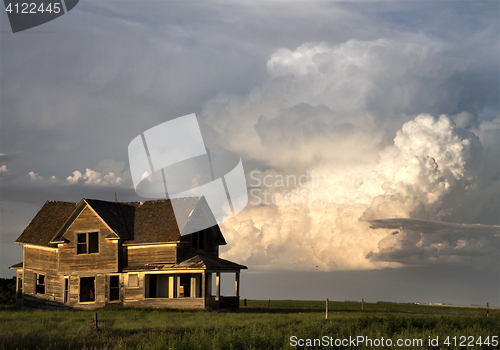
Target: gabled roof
{"x": 134, "y": 222}
{"x": 153, "y": 221}
{"x": 46, "y": 222}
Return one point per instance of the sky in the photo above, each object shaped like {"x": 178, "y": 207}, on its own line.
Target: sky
{"x": 368, "y": 132}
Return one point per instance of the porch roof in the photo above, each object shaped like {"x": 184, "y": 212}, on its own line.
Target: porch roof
{"x": 197, "y": 261}
{"x": 17, "y": 266}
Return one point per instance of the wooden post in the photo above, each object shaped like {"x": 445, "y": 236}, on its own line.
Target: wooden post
{"x": 268, "y": 302}
{"x": 95, "y": 321}
{"x": 362, "y": 303}
{"x": 487, "y": 309}
{"x": 203, "y": 288}
{"x": 245, "y": 302}
{"x": 237, "y": 285}
{"x": 326, "y": 315}
{"x": 217, "y": 292}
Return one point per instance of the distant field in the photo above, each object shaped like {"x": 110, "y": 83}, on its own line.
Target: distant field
{"x": 253, "y": 327}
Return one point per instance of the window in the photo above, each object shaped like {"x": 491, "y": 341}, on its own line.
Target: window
{"x": 87, "y": 243}
{"x": 198, "y": 240}
{"x": 40, "y": 284}
{"x": 66, "y": 290}
{"x": 133, "y": 280}
{"x": 87, "y": 289}
{"x": 114, "y": 288}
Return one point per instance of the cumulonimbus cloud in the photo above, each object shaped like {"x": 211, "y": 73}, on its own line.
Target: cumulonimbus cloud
{"x": 351, "y": 117}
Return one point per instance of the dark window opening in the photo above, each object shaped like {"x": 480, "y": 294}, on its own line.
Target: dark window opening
{"x": 87, "y": 243}
{"x": 185, "y": 285}
{"x": 93, "y": 242}
{"x": 194, "y": 240}
{"x": 201, "y": 239}
{"x": 40, "y": 284}
{"x": 66, "y": 290}
{"x": 87, "y": 289}
{"x": 198, "y": 240}
{"x": 114, "y": 288}
{"x": 81, "y": 245}
{"x": 151, "y": 286}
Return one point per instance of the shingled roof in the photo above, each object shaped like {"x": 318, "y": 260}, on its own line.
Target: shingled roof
{"x": 135, "y": 222}
{"x": 46, "y": 223}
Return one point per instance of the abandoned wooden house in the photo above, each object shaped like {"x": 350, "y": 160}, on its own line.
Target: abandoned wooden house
{"x": 95, "y": 253}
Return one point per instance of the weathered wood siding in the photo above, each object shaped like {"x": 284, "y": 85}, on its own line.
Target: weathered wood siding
{"x": 154, "y": 254}
{"x": 40, "y": 259}
{"x": 53, "y": 286}
{"x": 101, "y": 286}
{"x": 133, "y": 293}
{"x": 105, "y": 260}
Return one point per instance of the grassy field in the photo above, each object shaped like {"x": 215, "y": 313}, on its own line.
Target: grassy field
{"x": 253, "y": 327}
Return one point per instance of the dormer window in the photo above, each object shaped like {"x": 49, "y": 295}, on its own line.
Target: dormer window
{"x": 87, "y": 243}
{"x": 198, "y": 240}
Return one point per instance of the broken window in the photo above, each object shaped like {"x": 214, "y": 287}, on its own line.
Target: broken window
{"x": 87, "y": 289}
{"x": 87, "y": 243}
{"x": 40, "y": 284}
{"x": 114, "y": 288}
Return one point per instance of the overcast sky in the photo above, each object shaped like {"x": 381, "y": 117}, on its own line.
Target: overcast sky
{"x": 369, "y": 133}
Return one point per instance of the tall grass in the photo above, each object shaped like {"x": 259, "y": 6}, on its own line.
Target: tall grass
{"x": 254, "y": 327}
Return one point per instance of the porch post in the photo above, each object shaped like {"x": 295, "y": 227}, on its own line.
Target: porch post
{"x": 217, "y": 295}
{"x": 237, "y": 284}
{"x": 178, "y": 286}
{"x": 203, "y": 289}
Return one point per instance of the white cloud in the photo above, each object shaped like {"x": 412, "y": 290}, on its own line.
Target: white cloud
{"x": 327, "y": 109}
{"x": 347, "y": 96}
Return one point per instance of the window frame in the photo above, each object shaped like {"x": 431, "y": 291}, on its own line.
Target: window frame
{"x": 138, "y": 280}
{"x": 87, "y": 243}
{"x": 94, "y": 290}
{"x": 66, "y": 290}
{"x": 43, "y": 284}
{"x": 110, "y": 288}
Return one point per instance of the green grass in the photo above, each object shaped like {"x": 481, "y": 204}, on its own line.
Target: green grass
{"x": 254, "y": 327}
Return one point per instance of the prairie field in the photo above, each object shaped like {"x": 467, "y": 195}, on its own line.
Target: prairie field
{"x": 282, "y": 325}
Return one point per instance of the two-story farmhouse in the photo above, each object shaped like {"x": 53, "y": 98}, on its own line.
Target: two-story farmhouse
{"x": 96, "y": 253}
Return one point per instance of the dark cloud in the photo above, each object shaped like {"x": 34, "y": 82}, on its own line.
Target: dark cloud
{"x": 422, "y": 242}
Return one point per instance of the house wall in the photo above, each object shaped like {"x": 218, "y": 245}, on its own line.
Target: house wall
{"x": 150, "y": 254}
{"x": 101, "y": 292}
{"x": 40, "y": 259}
{"x": 43, "y": 261}
{"x": 105, "y": 260}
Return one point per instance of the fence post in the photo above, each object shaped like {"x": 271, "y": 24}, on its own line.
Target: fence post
{"x": 326, "y": 315}
{"x": 268, "y": 302}
{"x": 95, "y": 321}
{"x": 245, "y": 302}
{"x": 362, "y": 303}
{"x": 487, "y": 309}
